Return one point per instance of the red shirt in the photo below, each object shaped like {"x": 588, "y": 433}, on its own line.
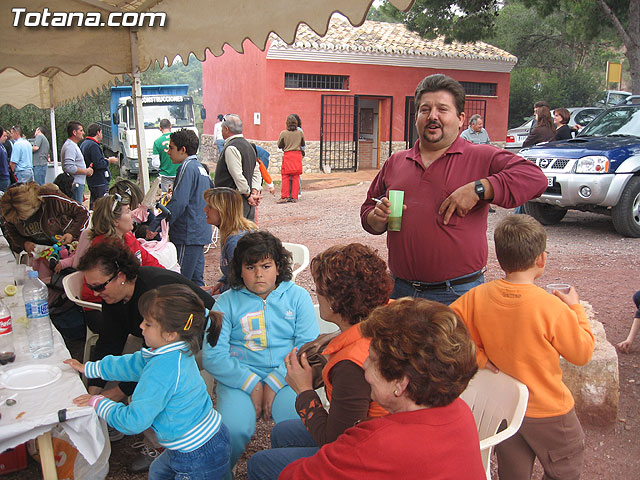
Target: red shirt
{"x": 425, "y": 249}
{"x": 431, "y": 443}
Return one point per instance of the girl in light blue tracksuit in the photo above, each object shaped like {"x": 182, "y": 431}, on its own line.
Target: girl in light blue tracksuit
{"x": 171, "y": 396}
{"x": 265, "y": 315}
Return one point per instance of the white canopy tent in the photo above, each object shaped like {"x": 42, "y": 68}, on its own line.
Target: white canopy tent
{"x": 62, "y": 61}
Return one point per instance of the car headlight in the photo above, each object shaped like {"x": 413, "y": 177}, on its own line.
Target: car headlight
{"x": 592, "y": 164}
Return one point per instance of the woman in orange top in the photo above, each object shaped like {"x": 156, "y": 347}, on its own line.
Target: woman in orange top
{"x": 350, "y": 282}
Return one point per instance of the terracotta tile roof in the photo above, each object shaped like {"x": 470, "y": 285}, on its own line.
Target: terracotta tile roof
{"x": 387, "y": 39}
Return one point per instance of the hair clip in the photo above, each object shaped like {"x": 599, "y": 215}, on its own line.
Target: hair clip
{"x": 187, "y": 325}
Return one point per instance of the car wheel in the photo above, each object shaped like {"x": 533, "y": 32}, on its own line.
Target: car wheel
{"x": 545, "y": 214}
{"x": 626, "y": 214}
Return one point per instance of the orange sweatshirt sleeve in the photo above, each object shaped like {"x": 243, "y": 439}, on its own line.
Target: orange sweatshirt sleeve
{"x": 572, "y": 337}
{"x": 265, "y": 173}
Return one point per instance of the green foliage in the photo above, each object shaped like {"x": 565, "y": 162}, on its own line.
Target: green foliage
{"x": 88, "y": 109}
{"x": 570, "y": 88}
{"x": 92, "y": 108}
{"x": 462, "y": 20}
{"x": 386, "y": 12}
{"x": 178, "y": 72}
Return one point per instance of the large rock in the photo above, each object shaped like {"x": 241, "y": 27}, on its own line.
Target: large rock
{"x": 595, "y": 386}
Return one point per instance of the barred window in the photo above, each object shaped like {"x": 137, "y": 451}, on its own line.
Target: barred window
{"x": 482, "y": 89}
{"x": 314, "y": 81}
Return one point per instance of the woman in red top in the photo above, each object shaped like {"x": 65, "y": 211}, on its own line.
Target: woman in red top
{"x": 111, "y": 218}
{"x": 421, "y": 358}
{"x": 350, "y": 281}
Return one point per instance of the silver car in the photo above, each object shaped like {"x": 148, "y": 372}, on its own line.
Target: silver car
{"x": 579, "y": 116}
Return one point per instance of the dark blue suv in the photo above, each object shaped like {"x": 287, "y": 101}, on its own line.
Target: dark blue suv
{"x": 598, "y": 171}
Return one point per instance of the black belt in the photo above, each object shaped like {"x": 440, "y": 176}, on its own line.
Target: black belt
{"x": 421, "y": 286}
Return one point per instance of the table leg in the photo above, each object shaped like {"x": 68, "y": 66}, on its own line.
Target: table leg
{"x": 47, "y": 460}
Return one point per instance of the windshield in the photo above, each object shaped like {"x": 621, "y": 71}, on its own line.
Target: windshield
{"x": 179, "y": 114}
{"x": 617, "y": 121}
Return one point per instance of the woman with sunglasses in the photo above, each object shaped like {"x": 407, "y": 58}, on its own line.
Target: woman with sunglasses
{"x": 112, "y": 219}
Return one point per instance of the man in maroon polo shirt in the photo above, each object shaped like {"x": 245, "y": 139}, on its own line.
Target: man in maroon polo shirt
{"x": 441, "y": 250}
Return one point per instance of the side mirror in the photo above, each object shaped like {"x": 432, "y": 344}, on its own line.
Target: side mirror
{"x": 203, "y": 113}
{"x": 116, "y": 118}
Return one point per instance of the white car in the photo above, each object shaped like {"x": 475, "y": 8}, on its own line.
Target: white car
{"x": 579, "y": 116}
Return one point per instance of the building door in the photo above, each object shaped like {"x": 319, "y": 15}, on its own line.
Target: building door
{"x": 338, "y": 132}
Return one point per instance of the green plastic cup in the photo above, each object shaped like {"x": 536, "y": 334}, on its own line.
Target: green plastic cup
{"x": 396, "y": 197}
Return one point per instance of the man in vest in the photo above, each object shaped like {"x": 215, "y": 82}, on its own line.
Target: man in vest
{"x": 237, "y": 166}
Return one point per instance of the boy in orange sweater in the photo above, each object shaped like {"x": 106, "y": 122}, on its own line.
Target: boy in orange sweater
{"x": 522, "y": 330}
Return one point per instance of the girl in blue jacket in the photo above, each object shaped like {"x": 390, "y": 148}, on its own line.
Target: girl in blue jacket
{"x": 265, "y": 315}
{"x": 171, "y": 396}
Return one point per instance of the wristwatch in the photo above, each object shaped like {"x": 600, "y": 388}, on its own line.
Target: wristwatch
{"x": 479, "y": 187}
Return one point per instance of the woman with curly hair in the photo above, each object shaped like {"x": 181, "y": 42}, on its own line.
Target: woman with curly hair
{"x": 421, "y": 358}
{"x": 351, "y": 281}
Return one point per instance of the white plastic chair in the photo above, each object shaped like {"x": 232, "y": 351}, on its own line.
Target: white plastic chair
{"x": 325, "y": 327}
{"x": 493, "y": 398}
{"x": 215, "y": 237}
{"x": 300, "y": 256}
{"x": 72, "y": 284}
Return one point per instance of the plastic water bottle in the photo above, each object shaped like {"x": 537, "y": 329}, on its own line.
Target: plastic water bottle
{"x": 36, "y": 304}
{"x": 7, "y": 352}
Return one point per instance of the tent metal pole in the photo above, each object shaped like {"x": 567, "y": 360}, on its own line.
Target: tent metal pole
{"x": 143, "y": 165}
{"x": 54, "y": 143}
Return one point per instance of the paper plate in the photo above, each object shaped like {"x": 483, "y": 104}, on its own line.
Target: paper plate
{"x": 30, "y": 377}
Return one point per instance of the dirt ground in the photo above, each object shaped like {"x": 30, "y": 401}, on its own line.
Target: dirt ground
{"x": 584, "y": 251}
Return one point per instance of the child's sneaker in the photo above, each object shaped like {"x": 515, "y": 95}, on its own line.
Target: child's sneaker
{"x": 144, "y": 459}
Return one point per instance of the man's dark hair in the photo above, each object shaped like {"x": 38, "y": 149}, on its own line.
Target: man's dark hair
{"x": 72, "y": 126}
{"x": 93, "y": 129}
{"x": 437, "y": 82}
{"x": 165, "y": 124}
{"x": 541, "y": 103}
{"x": 17, "y": 128}
{"x": 186, "y": 138}
{"x": 43, "y": 129}
{"x": 1, "y": 130}
{"x": 220, "y": 117}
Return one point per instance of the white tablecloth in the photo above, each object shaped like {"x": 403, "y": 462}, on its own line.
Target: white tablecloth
{"x": 41, "y": 406}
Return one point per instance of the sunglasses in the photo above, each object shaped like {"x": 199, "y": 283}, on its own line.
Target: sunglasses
{"x": 100, "y": 287}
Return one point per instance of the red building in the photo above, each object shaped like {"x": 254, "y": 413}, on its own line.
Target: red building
{"x": 353, "y": 88}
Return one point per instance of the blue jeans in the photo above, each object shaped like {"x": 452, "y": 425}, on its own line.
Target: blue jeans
{"x": 191, "y": 260}
{"x": 97, "y": 192}
{"x": 239, "y": 414}
{"x": 208, "y": 462}
{"x": 290, "y": 441}
{"x": 445, "y": 295}
{"x": 24, "y": 176}
{"x": 4, "y": 184}
{"x": 220, "y": 145}
{"x": 40, "y": 173}
{"x": 78, "y": 192}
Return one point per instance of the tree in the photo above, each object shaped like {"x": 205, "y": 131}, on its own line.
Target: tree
{"x": 470, "y": 20}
